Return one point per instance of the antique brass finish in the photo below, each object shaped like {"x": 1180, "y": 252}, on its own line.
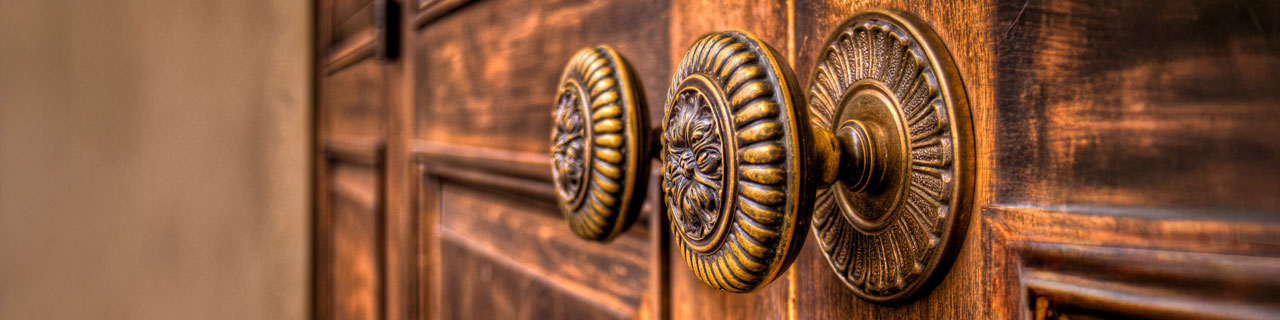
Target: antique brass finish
{"x": 893, "y": 220}
{"x": 733, "y": 162}
{"x": 882, "y": 160}
{"x": 600, "y": 144}
{"x": 881, "y": 164}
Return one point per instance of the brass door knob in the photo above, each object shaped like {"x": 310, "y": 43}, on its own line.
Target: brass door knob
{"x": 877, "y": 155}
{"x": 599, "y": 144}
{"x": 735, "y": 162}
{"x": 881, "y": 160}
{"x": 895, "y": 211}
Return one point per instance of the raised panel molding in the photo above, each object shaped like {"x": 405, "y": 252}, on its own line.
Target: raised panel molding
{"x": 428, "y": 10}
{"x": 367, "y": 151}
{"x": 354, "y": 49}
{"x": 1057, "y": 264}
{"x": 526, "y": 173}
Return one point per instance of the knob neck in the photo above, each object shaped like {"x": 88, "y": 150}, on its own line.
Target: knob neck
{"x": 852, "y": 151}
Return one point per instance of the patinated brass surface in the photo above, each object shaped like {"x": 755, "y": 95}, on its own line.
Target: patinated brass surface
{"x": 733, "y": 177}
{"x": 599, "y": 144}
{"x": 888, "y": 89}
{"x": 882, "y": 160}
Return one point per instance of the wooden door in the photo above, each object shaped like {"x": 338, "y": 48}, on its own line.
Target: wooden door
{"x": 362, "y": 230}
{"x": 1120, "y": 144}
{"x": 482, "y": 76}
{"x": 1123, "y": 154}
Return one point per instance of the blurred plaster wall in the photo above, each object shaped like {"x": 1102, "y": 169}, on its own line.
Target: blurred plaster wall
{"x": 154, "y": 159}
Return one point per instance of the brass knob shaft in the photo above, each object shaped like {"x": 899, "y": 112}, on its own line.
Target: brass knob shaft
{"x": 892, "y": 234}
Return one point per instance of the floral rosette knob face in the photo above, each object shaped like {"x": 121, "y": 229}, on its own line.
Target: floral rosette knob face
{"x": 731, "y": 178}
{"x": 599, "y": 144}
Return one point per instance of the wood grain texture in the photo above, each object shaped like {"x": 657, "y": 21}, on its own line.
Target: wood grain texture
{"x": 1139, "y": 130}
{"x": 357, "y": 47}
{"x": 477, "y": 287}
{"x": 351, "y": 262}
{"x": 483, "y": 82}
{"x": 350, "y": 33}
{"x": 504, "y": 183}
{"x": 1124, "y": 162}
{"x": 428, "y": 10}
{"x": 364, "y": 250}
{"x": 659, "y": 292}
{"x": 1107, "y": 264}
{"x": 364, "y": 151}
{"x": 525, "y": 165}
{"x": 402, "y": 225}
{"x": 1106, "y": 282}
{"x": 342, "y": 10}
{"x": 525, "y": 174}
{"x": 489, "y": 71}
{"x": 355, "y": 256}
{"x": 1140, "y": 104}
{"x": 354, "y": 101}
{"x": 965, "y": 30}
{"x": 612, "y": 275}
{"x": 426, "y": 206}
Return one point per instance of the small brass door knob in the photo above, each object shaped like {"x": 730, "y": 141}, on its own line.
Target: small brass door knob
{"x": 878, "y": 152}
{"x": 599, "y": 144}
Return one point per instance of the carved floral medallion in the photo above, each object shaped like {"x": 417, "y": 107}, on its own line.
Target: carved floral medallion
{"x": 569, "y": 144}
{"x": 598, "y": 145}
{"x": 729, "y": 169}
{"x": 693, "y": 168}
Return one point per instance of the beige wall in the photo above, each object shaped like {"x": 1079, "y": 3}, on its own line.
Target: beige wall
{"x": 153, "y": 159}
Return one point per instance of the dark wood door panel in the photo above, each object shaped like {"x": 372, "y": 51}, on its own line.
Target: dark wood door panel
{"x": 484, "y": 76}
{"x": 352, "y": 28}
{"x": 355, "y": 102}
{"x": 535, "y": 243}
{"x": 1124, "y": 160}
{"x": 348, "y": 32}
{"x": 500, "y": 205}
{"x": 486, "y": 73}
{"x": 477, "y": 287}
{"x": 1140, "y": 104}
{"x": 353, "y": 254}
{"x": 1047, "y": 263}
{"x": 691, "y": 299}
{"x": 1132, "y": 137}
{"x": 539, "y": 240}
{"x": 341, "y": 10}
{"x": 354, "y": 278}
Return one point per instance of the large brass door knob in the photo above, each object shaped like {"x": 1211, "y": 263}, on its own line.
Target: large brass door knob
{"x": 735, "y": 157}
{"x": 599, "y": 144}
{"x": 893, "y": 214}
{"x": 878, "y": 152}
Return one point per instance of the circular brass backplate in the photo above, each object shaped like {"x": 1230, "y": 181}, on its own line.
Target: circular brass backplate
{"x": 890, "y": 73}
{"x": 599, "y": 144}
{"x": 732, "y": 154}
